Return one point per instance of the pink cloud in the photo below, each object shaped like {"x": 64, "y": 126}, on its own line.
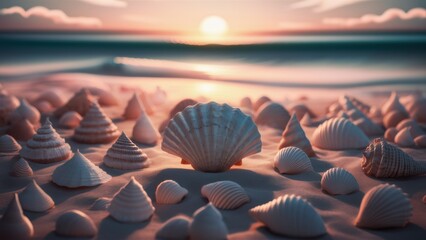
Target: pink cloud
{"x": 107, "y": 3}
{"x": 324, "y": 5}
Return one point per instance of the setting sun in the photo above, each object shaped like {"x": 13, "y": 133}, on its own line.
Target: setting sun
{"x": 214, "y": 26}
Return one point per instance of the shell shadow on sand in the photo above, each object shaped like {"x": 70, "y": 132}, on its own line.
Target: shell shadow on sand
{"x": 126, "y": 229}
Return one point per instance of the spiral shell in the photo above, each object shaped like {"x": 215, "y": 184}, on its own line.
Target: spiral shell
{"x": 70, "y": 119}
{"x": 79, "y": 103}
{"x": 225, "y": 194}
{"x": 169, "y": 192}
{"x": 294, "y": 135}
{"x": 134, "y": 108}
{"x": 207, "y": 224}
{"x": 25, "y": 111}
{"x": 9, "y": 146}
{"x": 144, "y": 131}
{"x": 21, "y": 168}
{"x": 292, "y": 160}
{"x": 101, "y": 203}
{"x": 14, "y": 224}
{"x": 338, "y": 181}
{"x": 75, "y": 223}
{"x": 34, "y": 199}
{"x": 404, "y": 139}
{"x": 273, "y": 115}
{"x": 175, "y": 228}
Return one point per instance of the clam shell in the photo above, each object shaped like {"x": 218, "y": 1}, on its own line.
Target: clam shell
{"x": 9, "y": 146}
{"x": 246, "y": 103}
{"x": 131, "y": 203}
{"x": 294, "y": 135}
{"x": 25, "y": 111}
{"x": 14, "y": 224}
{"x": 144, "y": 131}
{"x": 207, "y": 224}
{"x": 134, "y": 108}
{"x": 337, "y": 181}
{"x": 169, "y": 192}
{"x": 34, "y": 199}
{"x": 404, "y": 139}
{"x": 415, "y": 128}
{"x": 211, "y": 137}
{"x": 176, "y": 228}
{"x": 420, "y": 141}
{"x": 392, "y": 104}
{"x": 75, "y": 223}
{"x": 260, "y": 101}
{"x": 290, "y": 215}
{"x": 21, "y": 168}
{"x": 384, "y": 206}
{"x": 79, "y": 103}
{"x": 390, "y": 134}
{"x": 70, "y": 119}
{"x": 392, "y": 119}
{"x": 273, "y": 115}
{"x": 52, "y": 98}
{"x": 292, "y": 160}
{"x": 101, "y": 204}
{"x": 225, "y": 194}
{"x": 21, "y": 130}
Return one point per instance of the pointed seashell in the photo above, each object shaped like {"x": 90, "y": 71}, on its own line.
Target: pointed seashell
{"x": 211, "y": 137}
{"x": 79, "y": 103}
{"x": 383, "y": 160}
{"x": 300, "y": 110}
{"x": 134, "y": 108}
{"x": 246, "y": 103}
{"x": 404, "y": 139}
{"x": 75, "y": 223}
{"x": 169, "y": 192}
{"x": 392, "y": 104}
{"x": 290, "y": 215}
{"x": 339, "y": 134}
{"x": 21, "y": 130}
{"x": 96, "y": 127}
{"x": 368, "y": 127}
{"x": 176, "y": 228}
{"x": 14, "y": 224}
{"x": 9, "y": 146}
{"x": 390, "y": 134}
{"x": 70, "y": 120}
{"x": 79, "y": 172}
{"x": 307, "y": 121}
{"x": 34, "y": 199}
{"x": 392, "y": 119}
{"x": 273, "y": 115}
{"x": 375, "y": 113}
{"x": 207, "y": 224}
{"x": 101, "y": 204}
{"x": 144, "y": 131}
{"x": 46, "y": 146}
{"x": 292, "y": 160}
{"x": 384, "y": 206}
{"x": 51, "y": 97}
{"x": 337, "y": 181}
{"x": 21, "y": 168}
{"x": 225, "y": 194}
{"x": 294, "y": 135}
{"x": 25, "y": 111}
{"x": 420, "y": 141}
{"x": 180, "y": 106}
{"x": 259, "y": 102}
{"x": 43, "y": 106}
{"x": 415, "y": 128}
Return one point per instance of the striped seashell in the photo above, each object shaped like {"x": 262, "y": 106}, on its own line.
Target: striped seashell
{"x": 415, "y": 128}
{"x": 384, "y": 206}
{"x": 211, "y": 137}
{"x": 9, "y": 146}
{"x": 337, "y": 181}
{"x": 420, "y": 141}
{"x": 390, "y": 134}
{"x": 144, "y": 131}
{"x": 383, "y": 160}
{"x": 404, "y": 139}
{"x": 101, "y": 204}
{"x": 225, "y": 194}
{"x": 70, "y": 119}
{"x": 169, "y": 192}
{"x": 14, "y": 224}
{"x": 21, "y": 130}
{"x": 292, "y": 160}
{"x": 392, "y": 104}
{"x": 291, "y": 216}
{"x": 79, "y": 172}
{"x": 25, "y": 111}
{"x": 131, "y": 203}
{"x": 392, "y": 119}
{"x": 273, "y": 115}
{"x": 176, "y": 228}
{"x": 246, "y": 103}
{"x": 260, "y": 101}
{"x": 34, "y": 199}
{"x": 294, "y": 135}
{"x": 134, "y": 108}
{"x": 54, "y": 99}
{"x": 79, "y": 103}
{"x": 207, "y": 224}
{"x": 21, "y": 168}
{"x": 75, "y": 223}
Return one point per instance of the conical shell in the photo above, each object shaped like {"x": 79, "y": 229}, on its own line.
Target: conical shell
{"x": 75, "y": 223}
{"x": 273, "y": 115}
{"x": 392, "y": 104}
{"x": 79, "y": 103}
{"x": 134, "y": 108}
{"x": 79, "y": 172}
{"x": 34, "y": 199}
{"x": 96, "y": 127}
{"x": 307, "y": 120}
{"x": 25, "y": 111}
{"x": 337, "y": 181}
{"x": 21, "y": 168}
{"x": 420, "y": 141}
{"x": 246, "y": 103}
{"x": 294, "y": 135}
{"x": 9, "y": 146}
{"x": 207, "y": 224}
{"x": 259, "y": 102}
{"x": 125, "y": 155}
{"x": 339, "y": 134}
{"x": 404, "y": 139}
{"x": 14, "y": 224}
{"x": 176, "y": 228}
{"x": 225, "y": 194}
{"x": 415, "y": 128}
{"x": 144, "y": 131}
{"x": 21, "y": 130}
{"x": 169, "y": 192}
{"x": 131, "y": 203}
{"x": 211, "y": 137}
{"x": 101, "y": 203}
{"x": 384, "y": 206}
{"x": 392, "y": 119}
{"x": 292, "y": 160}
{"x": 390, "y": 134}
{"x": 290, "y": 215}
{"x": 46, "y": 146}
{"x": 382, "y": 160}
{"x": 70, "y": 119}
{"x": 52, "y": 98}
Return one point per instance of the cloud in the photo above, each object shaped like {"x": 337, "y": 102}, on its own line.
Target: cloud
{"x": 107, "y": 3}
{"x": 324, "y": 5}
{"x": 388, "y": 15}
{"x": 56, "y": 16}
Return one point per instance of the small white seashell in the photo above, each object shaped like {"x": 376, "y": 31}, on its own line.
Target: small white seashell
{"x": 404, "y": 139}
{"x": 79, "y": 103}
{"x": 176, "y": 228}
{"x": 9, "y": 146}
{"x": 52, "y": 98}
{"x": 246, "y": 103}
{"x": 390, "y": 134}
{"x": 131, "y": 203}
{"x": 70, "y": 119}
{"x": 384, "y": 206}
{"x": 25, "y": 111}
{"x": 21, "y": 168}
{"x": 290, "y": 215}
{"x": 207, "y": 224}
{"x": 392, "y": 119}
{"x": 260, "y": 101}
{"x": 34, "y": 199}
{"x": 169, "y": 192}
{"x": 392, "y": 104}
{"x": 294, "y": 135}
{"x": 225, "y": 194}
{"x": 14, "y": 224}
{"x": 420, "y": 141}
{"x": 79, "y": 172}
{"x": 273, "y": 115}
{"x": 21, "y": 130}
{"x": 144, "y": 131}
{"x": 134, "y": 108}
{"x": 75, "y": 223}
{"x": 415, "y": 128}
{"x": 337, "y": 181}
{"x": 101, "y": 203}
{"x": 292, "y": 160}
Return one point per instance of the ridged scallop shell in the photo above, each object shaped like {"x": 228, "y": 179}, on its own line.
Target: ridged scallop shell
{"x": 131, "y": 203}
{"x": 246, "y": 103}
{"x": 390, "y": 134}
{"x": 9, "y": 146}
{"x": 25, "y": 111}
{"x": 125, "y": 155}
{"x": 75, "y": 223}
{"x": 144, "y": 131}
{"x": 134, "y": 108}
{"x": 225, "y": 194}
{"x": 404, "y": 139}
{"x": 21, "y": 168}
{"x": 70, "y": 119}
{"x": 169, "y": 192}
{"x": 260, "y": 101}
{"x": 339, "y": 134}
{"x": 46, "y": 146}
{"x": 176, "y": 228}
{"x": 79, "y": 172}
{"x": 392, "y": 119}
{"x": 294, "y": 135}
{"x": 96, "y": 127}
{"x": 21, "y": 130}
{"x": 52, "y": 98}
{"x": 14, "y": 224}
{"x": 420, "y": 141}
{"x": 177, "y": 108}
{"x": 384, "y": 206}
{"x": 415, "y": 128}
{"x": 207, "y": 224}
{"x": 338, "y": 181}
{"x": 211, "y": 137}
{"x": 290, "y": 215}
{"x": 79, "y": 103}
{"x": 392, "y": 104}
{"x": 292, "y": 160}
{"x": 273, "y": 115}
{"x": 34, "y": 199}
{"x": 101, "y": 203}
{"x": 383, "y": 160}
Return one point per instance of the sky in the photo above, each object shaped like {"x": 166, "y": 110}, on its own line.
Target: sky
{"x": 185, "y": 16}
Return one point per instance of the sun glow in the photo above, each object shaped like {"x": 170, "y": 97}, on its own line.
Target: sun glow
{"x": 213, "y": 26}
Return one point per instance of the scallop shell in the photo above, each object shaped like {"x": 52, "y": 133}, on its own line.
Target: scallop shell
{"x": 176, "y": 228}
{"x": 259, "y": 102}
{"x": 70, "y": 119}
{"x": 300, "y": 110}
{"x": 21, "y": 168}
{"x": 225, "y": 194}
{"x": 52, "y": 98}
{"x": 207, "y": 224}
{"x": 211, "y": 137}
{"x": 337, "y": 181}
{"x": 392, "y": 104}
{"x": 246, "y": 103}
{"x": 101, "y": 204}
{"x": 383, "y": 160}
{"x": 290, "y": 215}
{"x": 14, "y": 224}
{"x": 415, "y": 128}
{"x": 339, "y": 134}
{"x": 43, "y": 106}
{"x": 390, "y": 134}
{"x": 294, "y": 135}
{"x": 25, "y": 111}
{"x": 273, "y": 115}
{"x": 392, "y": 119}
{"x": 144, "y": 131}
{"x": 420, "y": 141}
{"x": 169, "y": 192}
{"x": 180, "y": 106}
{"x": 21, "y": 130}
{"x": 404, "y": 139}
{"x": 131, "y": 203}
{"x": 134, "y": 108}
{"x": 79, "y": 172}
{"x": 34, "y": 199}
{"x": 96, "y": 127}
{"x": 46, "y": 146}
{"x": 384, "y": 206}
{"x": 307, "y": 121}
{"x": 292, "y": 160}
{"x": 9, "y": 146}
{"x": 79, "y": 103}
{"x": 75, "y": 223}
